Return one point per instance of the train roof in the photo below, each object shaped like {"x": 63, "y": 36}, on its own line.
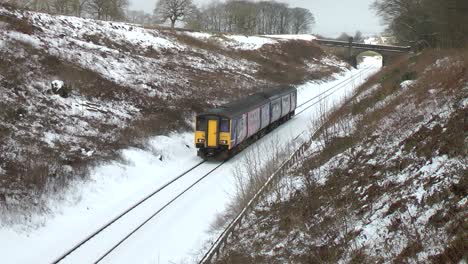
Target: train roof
{"x": 249, "y": 103}
{"x": 278, "y": 92}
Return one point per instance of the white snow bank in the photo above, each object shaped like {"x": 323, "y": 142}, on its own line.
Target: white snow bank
{"x": 249, "y": 43}
{"x": 407, "y": 84}
{"x": 178, "y": 231}
{"x": 373, "y": 61}
{"x": 57, "y": 84}
{"x": 89, "y": 205}
{"x": 126, "y": 33}
{"x": 235, "y": 41}
{"x": 307, "y": 37}
{"x": 24, "y": 38}
{"x": 200, "y": 35}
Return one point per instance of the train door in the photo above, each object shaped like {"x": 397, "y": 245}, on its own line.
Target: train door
{"x": 212, "y": 133}
{"x": 293, "y": 101}
{"x": 234, "y": 132}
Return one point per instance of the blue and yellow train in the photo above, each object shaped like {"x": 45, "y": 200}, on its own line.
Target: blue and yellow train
{"x": 221, "y": 132}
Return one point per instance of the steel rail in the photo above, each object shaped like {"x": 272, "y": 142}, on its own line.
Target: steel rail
{"x": 239, "y": 216}
{"x": 230, "y": 227}
{"x": 115, "y": 219}
{"x": 337, "y": 88}
{"x": 157, "y": 212}
{"x": 88, "y": 238}
{"x": 336, "y": 85}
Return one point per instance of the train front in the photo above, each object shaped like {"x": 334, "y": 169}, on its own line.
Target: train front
{"x": 212, "y": 136}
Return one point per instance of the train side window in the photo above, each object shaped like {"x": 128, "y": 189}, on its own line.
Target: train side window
{"x": 201, "y": 124}
{"x": 224, "y": 125}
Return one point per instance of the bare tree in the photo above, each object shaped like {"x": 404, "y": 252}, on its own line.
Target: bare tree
{"x": 108, "y": 9}
{"x": 251, "y": 17}
{"x": 39, "y": 5}
{"x": 79, "y": 7}
{"x": 194, "y": 20}
{"x": 424, "y": 23}
{"x": 302, "y": 20}
{"x": 174, "y": 10}
{"x": 134, "y": 16}
{"x": 343, "y": 37}
{"x": 61, "y": 6}
{"x": 358, "y": 37}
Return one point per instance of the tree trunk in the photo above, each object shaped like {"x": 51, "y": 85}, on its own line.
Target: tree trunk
{"x": 172, "y": 24}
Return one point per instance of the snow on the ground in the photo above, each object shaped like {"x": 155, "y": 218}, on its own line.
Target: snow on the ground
{"x": 112, "y": 189}
{"x": 180, "y": 231}
{"x": 401, "y": 187}
{"x": 374, "y": 61}
{"x": 115, "y": 186}
{"x": 307, "y": 37}
{"x": 371, "y": 40}
{"x": 235, "y": 41}
{"x": 94, "y": 45}
{"x": 248, "y": 42}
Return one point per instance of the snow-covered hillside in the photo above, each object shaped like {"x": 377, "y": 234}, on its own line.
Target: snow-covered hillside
{"x": 76, "y": 91}
{"x": 178, "y": 233}
{"x": 385, "y": 180}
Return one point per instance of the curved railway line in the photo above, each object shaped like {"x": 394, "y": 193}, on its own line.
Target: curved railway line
{"x": 199, "y": 172}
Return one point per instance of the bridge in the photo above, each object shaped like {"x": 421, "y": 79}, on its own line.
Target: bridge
{"x": 351, "y": 50}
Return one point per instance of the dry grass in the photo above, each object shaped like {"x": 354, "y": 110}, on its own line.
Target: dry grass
{"x": 325, "y": 212}
{"x": 16, "y": 24}
{"x": 282, "y": 63}
{"x": 27, "y": 183}
{"x": 250, "y": 174}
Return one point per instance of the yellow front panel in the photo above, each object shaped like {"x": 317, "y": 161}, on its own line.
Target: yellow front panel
{"x": 212, "y": 133}
{"x": 225, "y": 136}
{"x": 199, "y": 135}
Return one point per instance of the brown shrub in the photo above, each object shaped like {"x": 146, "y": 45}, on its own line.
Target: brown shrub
{"x": 99, "y": 39}
{"x": 282, "y": 63}
{"x": 19, "y": 24}
{"x": 449, "y": 140}
{"x": 208, "y": 45}
{"x": 456, "y": 250}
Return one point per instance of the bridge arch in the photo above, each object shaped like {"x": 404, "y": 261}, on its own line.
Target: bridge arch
{"x": 350, "y": 50}
{"x": 366, "y": 58}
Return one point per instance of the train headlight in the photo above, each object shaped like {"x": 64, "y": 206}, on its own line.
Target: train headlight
{"x": 201, "y": 140}
{"x": 224, "y": 142}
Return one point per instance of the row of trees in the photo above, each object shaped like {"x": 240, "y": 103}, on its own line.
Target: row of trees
{"x": 358, "y": 37}
{"x": 99, "y": 9}
{"x": 426, "y": 23}
{"x": 248, "y": 17}
{"x": 234, "y": 16}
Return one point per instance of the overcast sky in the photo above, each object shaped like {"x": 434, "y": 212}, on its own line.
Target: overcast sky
{"x": 333, "y": 16}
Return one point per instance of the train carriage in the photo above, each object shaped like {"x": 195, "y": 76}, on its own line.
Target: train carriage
{"x": 222, "y": 131}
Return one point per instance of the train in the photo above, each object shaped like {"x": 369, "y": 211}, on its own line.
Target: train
{"x": 223, "y": 131}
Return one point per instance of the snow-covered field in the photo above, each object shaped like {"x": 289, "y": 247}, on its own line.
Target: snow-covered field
{"x": 384, "y": 182}
{"x": 121, "y": 84}
{"x": 175, "y": 235}
{"x": 371, "y": 61}
{"x": 248, "y": 42}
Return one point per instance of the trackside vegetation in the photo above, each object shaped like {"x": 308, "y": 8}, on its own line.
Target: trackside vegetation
{"x": 385, "y": 180}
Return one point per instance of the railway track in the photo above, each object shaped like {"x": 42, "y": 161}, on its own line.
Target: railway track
{"x": 222, "y": 238}
{"x": 160, "y": 199}
{"x": 98, "y": 245}
{"x": 330, "y": 91}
